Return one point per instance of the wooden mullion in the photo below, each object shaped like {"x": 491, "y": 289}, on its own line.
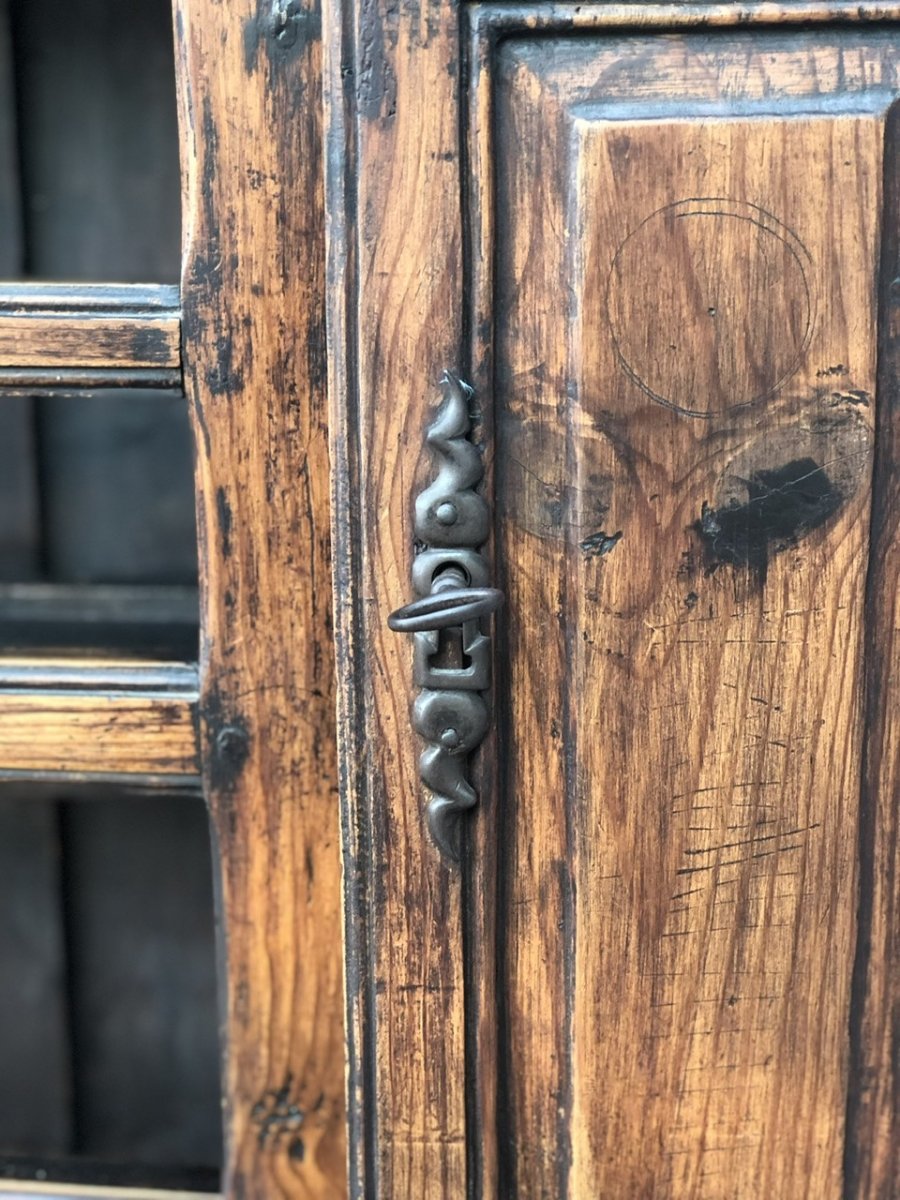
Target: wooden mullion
{"x": 84, "y": 299}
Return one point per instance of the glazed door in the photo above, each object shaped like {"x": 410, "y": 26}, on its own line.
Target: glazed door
{"x": 653, "y": 959}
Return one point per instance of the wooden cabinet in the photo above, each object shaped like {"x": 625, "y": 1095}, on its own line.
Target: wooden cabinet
{"x": 594, "y": 305}
{"x": 660, "y": 243}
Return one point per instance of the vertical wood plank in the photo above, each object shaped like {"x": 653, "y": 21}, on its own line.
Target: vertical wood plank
{"x": 392, "y": 95}
{"x": 746, "y": 706}
{"x": 249, "y": 84}
{"x": 703, "y": 804}
{"x": 872, "y": 1152}
{"x": 534, "y": 468}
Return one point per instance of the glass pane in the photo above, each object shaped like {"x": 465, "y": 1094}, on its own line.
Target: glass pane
{"x": 108, "y": 1029}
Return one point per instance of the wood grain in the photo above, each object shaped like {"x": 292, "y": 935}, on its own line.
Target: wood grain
{"x": 392, "y": 88}
{"x": 129, "y": 328}
{"x": 75, "y": 719}
{"x": 254, "y": 350}
{"x": 77, "y": 1191}
{"x": 676, "y": 976}
{"x": 872, "y": 1151}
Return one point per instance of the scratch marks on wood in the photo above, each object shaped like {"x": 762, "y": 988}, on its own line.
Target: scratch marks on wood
{"x": 533, "y": 455}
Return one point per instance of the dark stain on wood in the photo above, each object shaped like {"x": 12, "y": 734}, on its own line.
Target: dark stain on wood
{"x": 223, "y": 511}
{"x": 277, "y": 1114}
{"x": 282, "y": 27}
{"x": 230, "y": 742}
{"x": 600, "y": 543}
{"x": 782, "y": 505}
{"x": 297, "y": 1149}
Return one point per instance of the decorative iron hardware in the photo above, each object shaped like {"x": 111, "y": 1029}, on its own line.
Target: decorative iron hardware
{"x": 452, "y": 663}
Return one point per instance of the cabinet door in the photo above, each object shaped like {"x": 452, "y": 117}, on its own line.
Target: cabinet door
{"x": 661, "y": 246}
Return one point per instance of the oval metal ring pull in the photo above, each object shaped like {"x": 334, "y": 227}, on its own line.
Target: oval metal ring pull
{"x": 443, "y": 609}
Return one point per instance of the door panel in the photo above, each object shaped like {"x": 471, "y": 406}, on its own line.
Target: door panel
{"x": 657, "y": 241}
{"x": 687, "y": 256}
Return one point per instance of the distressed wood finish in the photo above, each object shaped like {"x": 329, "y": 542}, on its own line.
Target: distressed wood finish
{"x": 396, "y": 323}
{"x": 76, "y": 1191}
{"x": 872, "y": 1151}
{"x": 678, "y": 955}
{"x": 89, "y": 335}
{"x": 105, "y": 720}
{"x": 254, "y": 349}
{"x": 682, "y": 445}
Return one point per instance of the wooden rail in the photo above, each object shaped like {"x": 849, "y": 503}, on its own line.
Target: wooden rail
{"x": 92, "y": 719}
{"x": 10, "y": 1188}
{"x": 60, "y": 338}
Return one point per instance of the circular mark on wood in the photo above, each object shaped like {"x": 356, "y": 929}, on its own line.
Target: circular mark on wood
{"x": 711, "y": 305}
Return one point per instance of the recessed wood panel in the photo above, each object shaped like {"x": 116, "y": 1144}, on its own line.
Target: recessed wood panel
{"x": 688, "y": 249}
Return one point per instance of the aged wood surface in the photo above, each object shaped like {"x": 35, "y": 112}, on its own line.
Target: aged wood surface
{"x": 684, "y": 443}
{"x": 872, "y": 1153}
{"x": 85, "y": 383}
{"x": 131, "y": 329}
{"x": 98, "y": 718}
{"x": 76, "y": 1191}
{"x": 254, "y": 350}
{"x": 395, "y": 324}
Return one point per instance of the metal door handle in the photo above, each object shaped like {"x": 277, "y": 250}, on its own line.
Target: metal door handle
{"x": 452, "y": 605}
{"x": 452, "y": 661}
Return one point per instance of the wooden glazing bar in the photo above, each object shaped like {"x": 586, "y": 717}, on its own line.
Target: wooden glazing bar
{"x": 78, "y": 719}
{"x": 75, "y": 1191}
{"x": 76, "y": 337}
